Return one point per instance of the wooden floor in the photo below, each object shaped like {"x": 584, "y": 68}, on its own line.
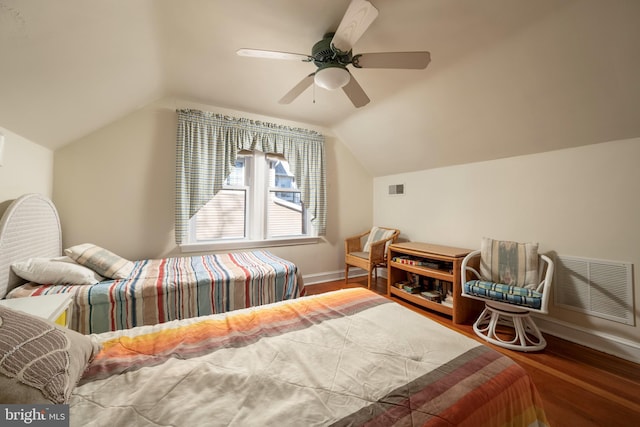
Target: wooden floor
{"x": 579, "y": 386}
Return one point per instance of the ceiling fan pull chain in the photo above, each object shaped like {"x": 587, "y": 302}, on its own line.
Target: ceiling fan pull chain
{"x": 314, "y": 93}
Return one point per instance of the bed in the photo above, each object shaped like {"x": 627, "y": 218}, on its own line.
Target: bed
{"x": 343, "y": 358}
{"x": 152, "y": 291}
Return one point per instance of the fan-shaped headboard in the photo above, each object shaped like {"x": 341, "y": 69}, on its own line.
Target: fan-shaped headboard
{"x": 29, "y": 228}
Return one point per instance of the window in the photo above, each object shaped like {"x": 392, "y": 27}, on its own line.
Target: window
{"x": 207, "y": 146}
{"x": 259, "y": 202}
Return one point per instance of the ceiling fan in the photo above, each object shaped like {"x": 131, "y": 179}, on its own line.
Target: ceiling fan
{"x": 333, "y": 53}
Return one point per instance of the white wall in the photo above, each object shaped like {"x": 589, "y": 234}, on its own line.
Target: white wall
{"x": 26, "y": 168}
{"x": 116, "y": 188}
{"x": 575, "y": 202}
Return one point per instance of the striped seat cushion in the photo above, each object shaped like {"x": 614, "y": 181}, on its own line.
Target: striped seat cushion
{"x": 504, "y": 293}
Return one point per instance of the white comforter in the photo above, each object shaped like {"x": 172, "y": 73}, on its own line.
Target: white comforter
{"x": 342, "y": 358}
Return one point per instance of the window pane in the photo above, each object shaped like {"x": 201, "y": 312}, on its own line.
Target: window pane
{"x": 236, "y": 178}
{"x": 285, "y": 213}
{"x": 223, "y": 217}
{"x": 285, "y": 217}
{"x": 280, "y": 176}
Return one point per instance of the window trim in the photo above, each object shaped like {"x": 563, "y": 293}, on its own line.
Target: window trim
{"x": 248, "y": 244}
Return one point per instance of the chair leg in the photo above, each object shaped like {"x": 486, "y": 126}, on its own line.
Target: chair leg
{"x": 369, "y": 281}
{"x": 346, "y": 273}
{"x": 525, "y": 337}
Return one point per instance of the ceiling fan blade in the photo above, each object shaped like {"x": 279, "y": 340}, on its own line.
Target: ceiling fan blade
{"x": 404, "y": 60}
{"x": 273, "y": 54}
{"x": 297, "y": 89}
{"x": 355, "y": 93}
{"x": 359, "y": 15}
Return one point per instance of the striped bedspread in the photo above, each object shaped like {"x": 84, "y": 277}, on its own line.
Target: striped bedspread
{"x": 160, "y": 290}
{"x": 344, "y": 358}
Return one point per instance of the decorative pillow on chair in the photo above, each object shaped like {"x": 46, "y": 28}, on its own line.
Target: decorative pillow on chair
{"x": 376, "y": 235}
{"x": 40, "y": 362}
{"x": 510, "y": 263}
{"x": 100, "y": 260}
{"x": 55, "y": 271}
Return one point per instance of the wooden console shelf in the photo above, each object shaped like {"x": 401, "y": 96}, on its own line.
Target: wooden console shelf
{"x": 434, "y": 264}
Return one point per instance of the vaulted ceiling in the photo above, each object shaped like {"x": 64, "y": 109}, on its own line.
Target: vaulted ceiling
{"x": 507, "y": 77}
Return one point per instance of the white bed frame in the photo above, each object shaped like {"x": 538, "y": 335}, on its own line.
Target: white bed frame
{"x": 29, "y": 228}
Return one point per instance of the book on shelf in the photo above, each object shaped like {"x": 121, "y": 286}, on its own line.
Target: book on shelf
{"x": 401, "y": 284}
{"x": 411, "y": 288}
{"x": 432, "y": 295}
{"x": 404, "y": 259}
{"x": 407, "y": 286}
{"x": 413, "y": 278}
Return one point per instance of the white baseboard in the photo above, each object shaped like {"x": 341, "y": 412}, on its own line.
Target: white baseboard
{"x": 314, "y": 279}
{"x": 606, "y": 343}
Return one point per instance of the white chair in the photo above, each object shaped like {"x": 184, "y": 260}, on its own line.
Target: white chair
{"x": 506, "y": 319}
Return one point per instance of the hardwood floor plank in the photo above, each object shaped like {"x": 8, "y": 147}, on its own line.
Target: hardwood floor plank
{"x": 579, "y": 386}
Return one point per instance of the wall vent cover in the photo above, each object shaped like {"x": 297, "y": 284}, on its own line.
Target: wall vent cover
{"x": 595, "y": 287}
{"x": 396, "y": 189}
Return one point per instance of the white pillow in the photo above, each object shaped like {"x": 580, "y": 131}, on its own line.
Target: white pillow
{"x": 55, "y": 271}
{"x": 100, "y": 260}
{"x": 510, "y": 263}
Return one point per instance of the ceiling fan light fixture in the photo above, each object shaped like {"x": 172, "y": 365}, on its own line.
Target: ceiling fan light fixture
{"x": 332, "y": 78}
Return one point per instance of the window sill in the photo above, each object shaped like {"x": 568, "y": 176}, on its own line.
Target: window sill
{"x": 247, "y": 244}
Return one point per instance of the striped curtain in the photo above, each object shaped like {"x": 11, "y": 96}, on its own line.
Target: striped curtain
{"x": 206, "y": 150}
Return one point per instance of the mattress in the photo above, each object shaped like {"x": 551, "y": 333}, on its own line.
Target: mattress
{"x": 348, "y": 357}
{"x": 161, "y": 290}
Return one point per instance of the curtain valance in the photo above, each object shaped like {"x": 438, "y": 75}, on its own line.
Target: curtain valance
{"x": 207, "y": 147}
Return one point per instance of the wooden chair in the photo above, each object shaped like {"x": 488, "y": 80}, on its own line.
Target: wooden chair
{"x": 372, "y": 254}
